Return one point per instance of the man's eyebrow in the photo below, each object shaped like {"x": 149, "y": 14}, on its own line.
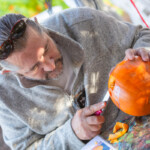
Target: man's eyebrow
{"x": 45, "y": 48}
{"x": 32, "y": 68}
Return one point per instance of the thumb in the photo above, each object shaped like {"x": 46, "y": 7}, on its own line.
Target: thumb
{"x": 90, "y": 110}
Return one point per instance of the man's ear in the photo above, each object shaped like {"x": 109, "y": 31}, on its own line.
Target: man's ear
{"x": 5, "y": 71}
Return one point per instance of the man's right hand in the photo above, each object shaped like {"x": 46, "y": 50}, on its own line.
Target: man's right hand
{"x": 85, "y": 124}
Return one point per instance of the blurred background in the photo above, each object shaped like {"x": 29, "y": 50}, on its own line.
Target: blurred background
{"x": 29, "y": 8}
{"x": 121, "y": 9}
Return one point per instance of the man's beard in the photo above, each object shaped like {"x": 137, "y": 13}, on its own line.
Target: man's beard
{"x": 55, "y": 74}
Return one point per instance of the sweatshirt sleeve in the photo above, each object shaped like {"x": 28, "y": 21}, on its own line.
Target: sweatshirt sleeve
{"x": 142, "y": 38}
{"x": 121, "y": 34}
{"x": 108, "y": 33}
{"x": 18, "y": 136}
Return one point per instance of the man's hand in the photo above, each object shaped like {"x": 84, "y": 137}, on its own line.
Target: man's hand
{"x": 130, "y": 54}
{"x": 85, "y": 124}
{"x": 142, "y": 52}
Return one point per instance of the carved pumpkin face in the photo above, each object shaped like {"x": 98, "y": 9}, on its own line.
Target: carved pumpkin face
{"x": 129, "y": 87}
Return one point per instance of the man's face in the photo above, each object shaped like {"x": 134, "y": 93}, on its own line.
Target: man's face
{"x": 40, "y": 59}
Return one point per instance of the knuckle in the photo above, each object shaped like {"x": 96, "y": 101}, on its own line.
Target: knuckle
{"x": 142, "y": 50}
{"x": 127, "y": 51}
{"x": 91, "y": 108}
{"x": 97, "y": 127}
{"x": 100, "y": 126}
{"x": 88, "y": 119}
{"x": 100, "y": 119}
{"x": 97, "y": 119}
{"x": 139, "y": 50}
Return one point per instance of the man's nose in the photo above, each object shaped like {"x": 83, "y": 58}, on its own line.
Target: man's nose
{"x": 48, "y": 64}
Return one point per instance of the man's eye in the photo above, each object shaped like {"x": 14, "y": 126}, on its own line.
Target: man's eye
{"x": 35, "y": 69}
{"x": 45, "y": 52}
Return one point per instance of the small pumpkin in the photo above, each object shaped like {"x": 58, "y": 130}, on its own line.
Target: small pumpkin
{"x": 129, "y": 86}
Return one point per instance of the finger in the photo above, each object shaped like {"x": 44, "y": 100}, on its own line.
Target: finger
{"x": 130, "y": 54}
{"x": 143, "y": 53}
{"x": 96, "y": 127}
{"x": 95, "y": 120}
{"x": 90, "y": 110}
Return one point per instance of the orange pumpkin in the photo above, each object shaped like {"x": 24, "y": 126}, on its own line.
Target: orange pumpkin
{"x": 129, "y": 86}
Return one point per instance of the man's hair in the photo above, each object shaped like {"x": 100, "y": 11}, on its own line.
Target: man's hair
{"x": 6, "y": 24}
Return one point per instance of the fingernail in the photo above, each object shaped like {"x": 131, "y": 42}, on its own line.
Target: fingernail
{"x": 146, "y": 58}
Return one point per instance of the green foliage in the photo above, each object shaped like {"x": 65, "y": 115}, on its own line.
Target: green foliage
{"x": 59, "y": 3}
{"x": 29, "y": 8}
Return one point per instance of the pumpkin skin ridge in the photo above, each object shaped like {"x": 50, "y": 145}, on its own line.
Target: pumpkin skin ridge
{"x": 132, "y": 114}
{"x": 113, "y": 74}
{"x": 131, "y": 105}
{"x": 148, "y": 79}
{"x": 141, "y": 90}
{"x": 118, "y": 103}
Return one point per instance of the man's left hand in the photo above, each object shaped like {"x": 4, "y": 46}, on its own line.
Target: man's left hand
{"x": 130, "y": 54}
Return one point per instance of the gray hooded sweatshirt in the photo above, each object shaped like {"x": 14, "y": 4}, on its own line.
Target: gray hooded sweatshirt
{"x": 36, "y": 115}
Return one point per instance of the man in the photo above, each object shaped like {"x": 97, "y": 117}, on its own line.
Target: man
{"x": 54, "y": 78}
